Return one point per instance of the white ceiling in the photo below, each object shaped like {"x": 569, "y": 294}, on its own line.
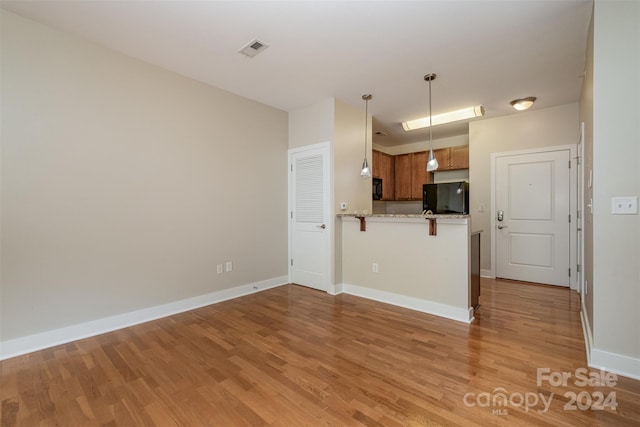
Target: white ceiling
{"x": 483, "y": 52}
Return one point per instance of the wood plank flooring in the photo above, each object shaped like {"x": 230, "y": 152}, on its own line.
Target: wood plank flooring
{"x": 292, "y": 356}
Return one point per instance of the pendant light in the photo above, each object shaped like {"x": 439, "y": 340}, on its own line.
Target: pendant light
{"x": 432, "y": 164}
{"x": 366, "y": 171}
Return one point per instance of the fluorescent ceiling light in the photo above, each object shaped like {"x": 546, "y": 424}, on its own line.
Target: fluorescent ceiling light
{"x": 451, "y": 116}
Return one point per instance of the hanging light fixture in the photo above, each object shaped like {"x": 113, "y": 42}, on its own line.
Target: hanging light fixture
{"x": 366, "y": 171}
{"x": 432, "y": 164}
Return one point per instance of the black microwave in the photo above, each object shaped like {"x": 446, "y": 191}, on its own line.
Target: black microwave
{"x": 377, "y": 188}
{"x": 446, "y": 198}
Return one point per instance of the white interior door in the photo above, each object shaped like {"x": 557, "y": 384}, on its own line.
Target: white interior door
{"x": 532, "y": 207}
{"x": 309, "y": 217}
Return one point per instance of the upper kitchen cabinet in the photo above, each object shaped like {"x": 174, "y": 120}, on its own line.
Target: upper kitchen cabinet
{"x": 403, "y": 176}
{"x": 384, "y": 168}
{"x": 452, "y": 158}
{"x": 411, "y": 174}
{"x": 419, "y": 174}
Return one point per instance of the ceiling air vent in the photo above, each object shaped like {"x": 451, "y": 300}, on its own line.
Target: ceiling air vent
{"x": 253, "y": 48}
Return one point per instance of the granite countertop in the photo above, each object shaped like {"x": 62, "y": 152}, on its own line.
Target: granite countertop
{"x": 426, "y": 216}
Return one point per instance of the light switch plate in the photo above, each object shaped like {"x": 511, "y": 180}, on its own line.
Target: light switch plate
{"x": 624, "y": 205}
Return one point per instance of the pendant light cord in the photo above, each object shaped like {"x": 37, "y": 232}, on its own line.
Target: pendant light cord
{"x": 430, "y": 117}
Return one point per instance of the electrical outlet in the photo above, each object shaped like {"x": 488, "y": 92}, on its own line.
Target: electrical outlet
{"x": 624, "y": 205}
{"x": 343, "y": 206}
{"x": 374, "y": 267}
{"x": 229, "y": 266}
{"x": 220, "y": 270}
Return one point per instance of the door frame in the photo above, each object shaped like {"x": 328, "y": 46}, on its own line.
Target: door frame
{"x": 325, "y": 147}
{"x": 573, "y": 204}
{"x": 580, "y": 213}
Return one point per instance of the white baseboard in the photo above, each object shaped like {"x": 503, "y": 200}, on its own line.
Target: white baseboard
{"x": 617, "y": 363}
{"x": 335, "y": 289}
{"x": 586, "y": 330}
{"x": 30, "y": 343}
{"x": 611, "y": 362}
{"x": 425, "y": 306}
{"x": 486, "y": 274}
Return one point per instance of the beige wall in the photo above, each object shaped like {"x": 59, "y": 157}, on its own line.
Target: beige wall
{"x": 342, "y": 125}
{"x": 312, "y": 125}
{"x": 526, "y": 130}
{"x": 123, "y": 185}
{"x": 424, "y": 145}
{"x": 616, "y": 156}
{"x": 431, "y": 269}
{"x": 348, "y": 154}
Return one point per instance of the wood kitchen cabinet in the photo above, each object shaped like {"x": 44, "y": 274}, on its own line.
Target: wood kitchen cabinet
{"x": 403, "y": 177}
{"x": 452, "y": 158}
{"x": 474, "y": 290}
{"x": 459, "y": 157}
{"x": 411, "y": 174}
{"x": 384, "y": 168}
{"x": 419, "y": 174}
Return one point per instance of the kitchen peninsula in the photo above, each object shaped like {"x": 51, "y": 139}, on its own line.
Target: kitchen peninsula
{"x": 421, "y": 262}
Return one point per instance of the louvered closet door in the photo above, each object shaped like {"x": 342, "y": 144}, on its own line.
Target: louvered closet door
{"x": 309, "y": 263}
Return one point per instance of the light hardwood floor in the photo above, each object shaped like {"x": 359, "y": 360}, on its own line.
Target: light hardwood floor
{"x": 292, "y": 356}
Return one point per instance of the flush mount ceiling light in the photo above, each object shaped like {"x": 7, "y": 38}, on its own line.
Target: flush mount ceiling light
{"x": 522, "y": 104}
{"x": 366, "y": 171}
{"x": 439, "y": 119}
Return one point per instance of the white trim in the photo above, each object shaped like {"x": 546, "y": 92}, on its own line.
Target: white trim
{"x": 336, "y": 289}
{"x": 586, "y": 330}
{"x": 471, "y": 313}
{"x": 442, "y": 310}
{"x": 42, "y": 340}
{"x": 617, "y": 363}
{"x": 572, "y": 202}
{"x": 486, "y": 274}
{"x": 581, "y": 209}
{"x": 599, "y": 359}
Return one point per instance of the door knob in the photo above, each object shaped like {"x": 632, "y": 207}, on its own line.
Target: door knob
{"x": 500, "y": 227}
{"x": 321, "y": 226}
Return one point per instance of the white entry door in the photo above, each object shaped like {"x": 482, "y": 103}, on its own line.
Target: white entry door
{"x": 532, "y": 207}
{"x": 309, "y": 201}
